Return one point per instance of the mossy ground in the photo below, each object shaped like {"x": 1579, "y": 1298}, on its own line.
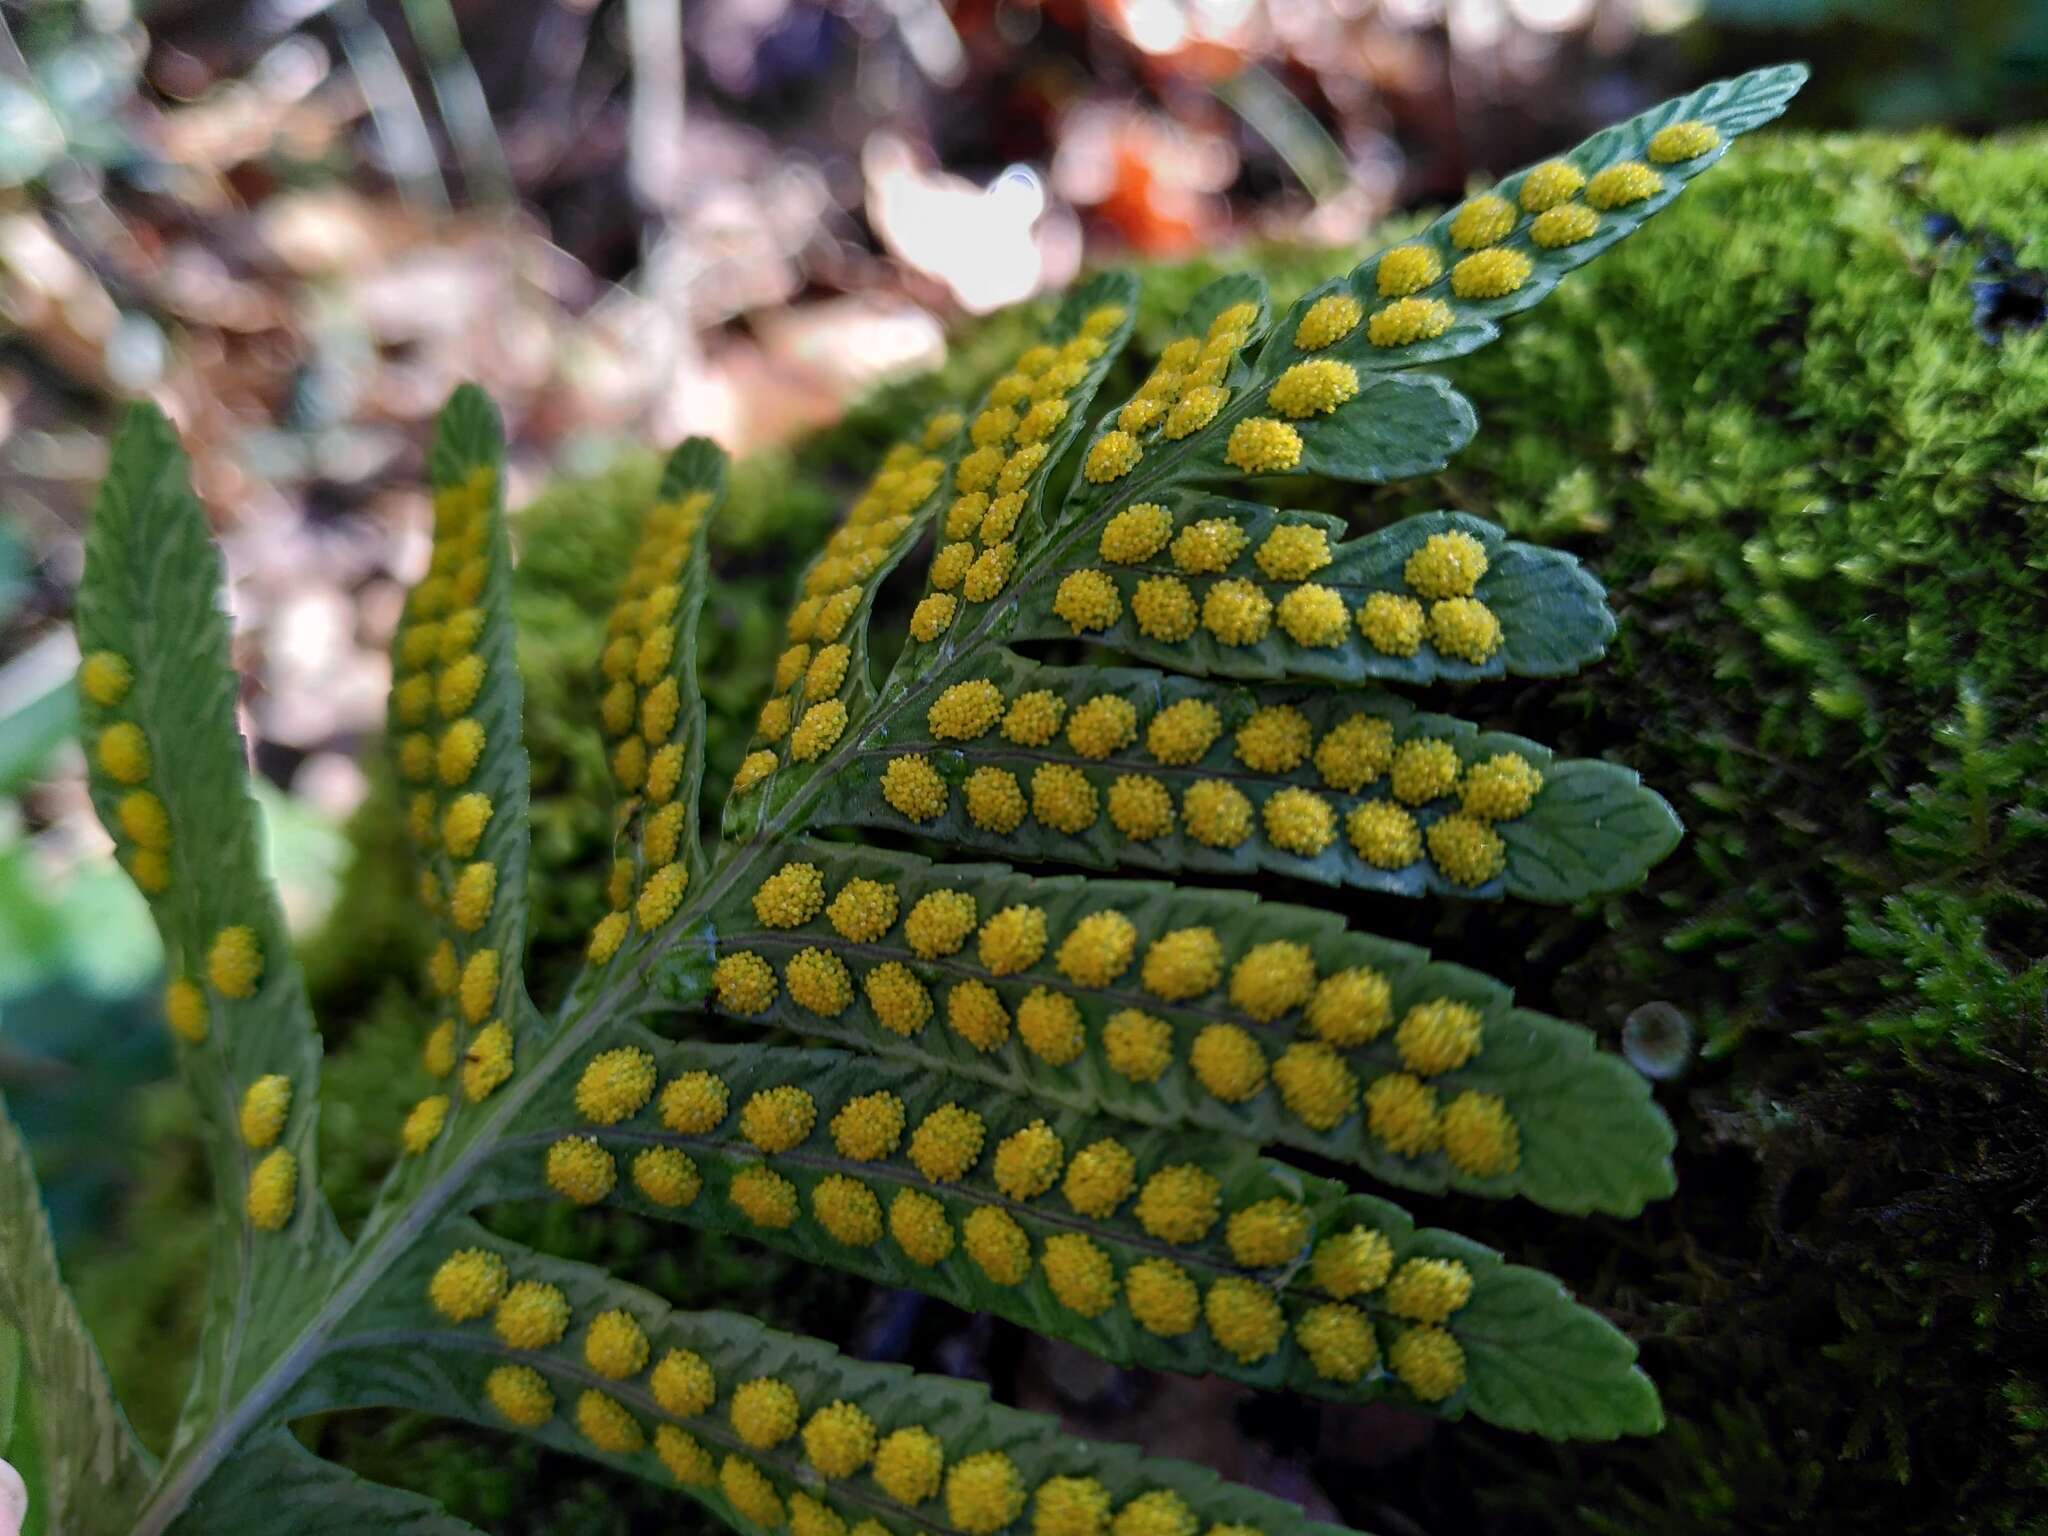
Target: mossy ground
{"x": 1816, "y": 495}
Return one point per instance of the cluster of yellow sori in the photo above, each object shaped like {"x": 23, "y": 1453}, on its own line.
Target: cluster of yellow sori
{"x": 1178, "y": 1204}
{"x": 234, "y": 959}
{"x": 806, "y": 715}
{"x": 1185, "y": 392}
{"x": 1011, "y": 450}
{"x": 641, "y": 713}
{"x": 1177, "y": 581}
{"x": 1491, "y": 241}
{"x": 1340, "y": 1010}
{"x": 441, "y": 672}
{"x": 1357, "y": 754}
{"x": 714, "y": 1433}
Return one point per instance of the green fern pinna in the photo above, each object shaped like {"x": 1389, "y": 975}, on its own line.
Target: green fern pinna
{"x": 1053, "y": 1097}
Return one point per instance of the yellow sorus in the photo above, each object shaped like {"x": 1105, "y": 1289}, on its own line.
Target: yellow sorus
{"x": 1299, "y": 821}
{"x": 521, "y": 1395}
{"x": 839, "y": 1439}
{"x": 460, "y": 682}
{"x": 984, "y": 1493}
{"x": 1446, "y": 565}
{"x": 656, "y": 651}
{"x": 1490, "y": 274}
{"x": 1034, "y": 718}
{"x": 818, "y": 731}
{"x": 1314, "y": 388}
{"x": 1041, "y": 421}
{"x": 430, "y": 891}
{"x": 1424, "y": 769}
{"x": 467, "y": 1285}
{"x": 666, "y": 1176}
{"x": 1062, "y": 798}
{"x": 413, "y": 699}
{"x": 918, "y": 1224}
{"x": 1208, "y": 545}
{"x": 1481, "y": 222}
{"x": 863, "y": 910}
{"x": 965, "y": 711}
{"x": 908, "y": 1464}
{"x": 764, "y": 1412}
{"x": 1465, "y": 628}
{"x": 1267, "y": 1232}
{"x": 1182, "y": 733}
{"x": 929, "y": 619}
{"x": 104, "y": 678}
{"x": 150, "y": 869}
{"x": 1272, "y": 978}
{"x": 1098, "y": 949}
{"x": 1164, "y": 609}
{"x": 185, "y": 1010}
{"x": 1338, "y": 1341}
{"x": 419, "y": 645}
{"x": 1228, "y": 1062}
{"x": 776, "y": 1119}
{"x": 790, "y": 897}
{"x": 1315, "y": 1084}
{"x": 1162, "y": 1513}
{"x": 123, "y": 753}
{"x": 976, "y": 1014}
{"x": 1328, "y": 321}
{"x": 1195, "y": 410}
{"x": 750, "y": 1493}
{"x": 1218, "y": 814}
{"x": 1100, "y": 1178}
{"x": 1353, "y": 1262}
{"x": 1179, "y": 1204}
{"x": 1683, "y": 141}
{"x": 1162, "y": 1297}
{"x": 144, "y": 819}
{"x": 615, "y": 1345}
{"x": 616, "y": 663}
{"x": 995, "y": 800}
{"x": 1244, "y": 1318}
{"x": 744, "y": 982}
{"x": 1429, "y": 1362}
{"x": 438, "y": 1052}
{"x": 977, "y": 471}
{"x": 234, "y": 961}
{"x": 419, "y": 818}
{"x": 1183, "y": 964}
{"x": 1027, "y": 1162}
{"x": 1019, "y": 467}
{"x": 1466, "y": 849}
{"x": 997, "y": 1245}
{"x": 1429, "y": 1290}
{"x": 913, "y": 787}
{"x": 615, "y": 710}
{"x": 1438, "y": 1036}
{"x": 487, "y": 1062}
{"x": 1407, "y": 321}
{"x": 939, "y": 923}
{"x": 1088, "y": 601}
{"x": 687, "y": 1460}
{"x": 580, "y": 1169}
{"x": 1081, "y": 1278}
{"x": 1236, "y": 612}
{"x": 754, "y": 767}
{"x": 1479, "y": 1135}
{"x": 818, "y": 982}
{"x": 1623, "y": 184}
{"x": 1407, "y": 269}
{"x": 1384, "y": 835}
{"x": 264, "y": 1107}
{"x": 1351, "y": 1007}
{"x": 422, "y": 1123}
{"x": 789, "y": 666}
{"x": 1012, "y": 940}
{"x": 463, "y": 823}
{"x": 1401, "y": 1111}
{"x": 1102, "y": 320}
{"x": 1355, "y": 753}
{"x": 1501, "y": 788}
{"x": 469, "y": 903}
{"x": 868, "y": 1127}
{"x": 764, "y": 1197}
{"x": 1238, "y": 318}
{"x": 1293, "y": 551}
{"x": 900, "y": 1003}
{"x": 949, "y": 565}
{"x": 993, "y": 426}
{"x": 947, "y": 1143}
{"x": 478, "y": 991}
{"x": 1115, "y": 454}
{"x": 606, "y": 1424}
{"x": 1137, "y": 533}
{"x": 1049, "y": 1024}
{"x": 1103, "y": 725}
{"x": 443, "y": 973}
{"x": 1140, "y": 807}
{"x": 683, "y": 1384}
{"x": 533, "y": 1315}
{"x": 962, "y": 518}
{"x": 1000, "y": 521}
{"x": 1392, "y": 624}
{"x": 658, "y": 712}
{"x": 659, "y": 842}
{"x": 629, "y": 764}
{"x": 1551, "y": 183}
{"x": 461, "y": 745}
{"x": 273, "y": 1190}
{"x": 1274, "y": 740}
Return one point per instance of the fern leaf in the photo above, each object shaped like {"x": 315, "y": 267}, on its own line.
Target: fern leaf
{"x": 273, "y": 1486}
{"x": 1146, "y": 983}
{"x": 764, "y": 1428}
{"x": 1103, "y": 766}
{"x": 1133, "y": 1242}
{"x": 93, "y": 1470}
{"x": 169, "y": 780}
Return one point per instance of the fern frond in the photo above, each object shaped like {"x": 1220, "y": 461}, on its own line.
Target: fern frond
{"x": 276, "y": 1487}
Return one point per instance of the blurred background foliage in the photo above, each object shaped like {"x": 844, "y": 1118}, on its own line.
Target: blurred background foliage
{"x": 1796, "y": 427}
